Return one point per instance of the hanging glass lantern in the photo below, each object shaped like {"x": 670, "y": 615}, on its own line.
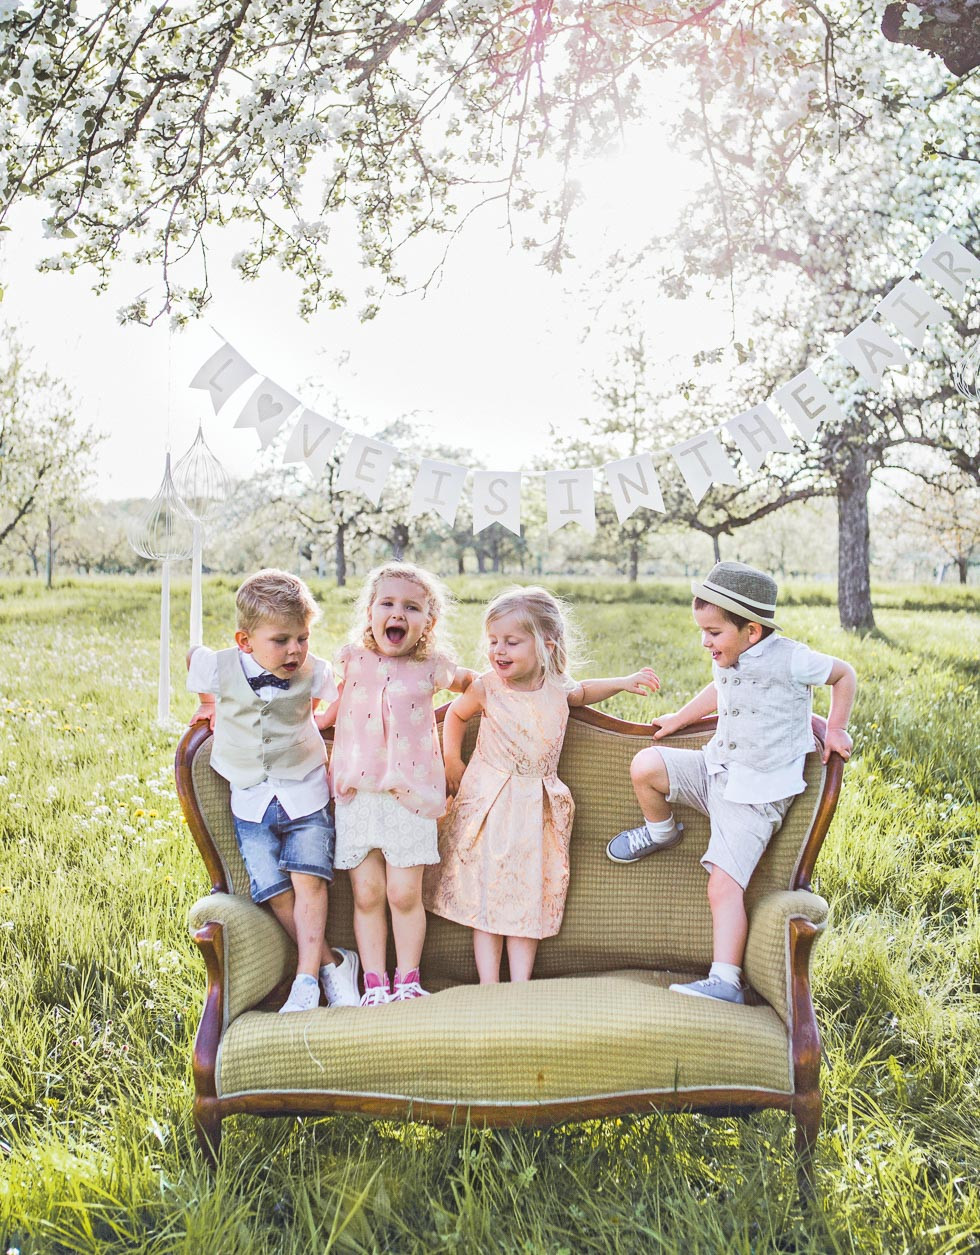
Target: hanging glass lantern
{"x": 204, "y": 486}
{"x": 966, "y": 372}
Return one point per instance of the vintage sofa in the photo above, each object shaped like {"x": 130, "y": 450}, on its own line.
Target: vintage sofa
{"x": 596, "y": 1033}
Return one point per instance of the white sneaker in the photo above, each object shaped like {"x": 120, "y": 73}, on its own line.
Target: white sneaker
{"x": 304, "y": 995}
{"x": 339, "y": 980}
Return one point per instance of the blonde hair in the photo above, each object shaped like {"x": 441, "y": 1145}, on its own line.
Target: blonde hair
{"x": 437, "y": 601}
{"x": 545, "y": 617}
{"x": 276, "y": 596}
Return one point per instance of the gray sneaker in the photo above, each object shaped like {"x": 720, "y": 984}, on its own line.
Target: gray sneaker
{"x": 712, "y": 987}
{"x": 637, "y": 843}
{"x": 339, "y": 980}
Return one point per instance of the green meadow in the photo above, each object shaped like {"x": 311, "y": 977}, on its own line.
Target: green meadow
{"x": 100, "y": 985}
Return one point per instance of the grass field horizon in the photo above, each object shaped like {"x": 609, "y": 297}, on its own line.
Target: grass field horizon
{"x": 101, "y": 985}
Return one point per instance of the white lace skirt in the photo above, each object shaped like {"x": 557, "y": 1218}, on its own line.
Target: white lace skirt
{"x": 376, "y": 821}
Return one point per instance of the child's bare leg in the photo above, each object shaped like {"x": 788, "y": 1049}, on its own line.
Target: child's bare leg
{"x": 651, "y": 784}
{"x": 407, "y": 915}
{"x": 283, "y": 907}
{"x": 487, "y": 950}
{"x": 370, "y": 903}
{"x": 520, "y": 957}
{"x": 729, "y": 923}
{"x": 310, "y": 918}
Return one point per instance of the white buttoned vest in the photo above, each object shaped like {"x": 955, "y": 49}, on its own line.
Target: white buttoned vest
{"x": 763, "y": 713}
{"x": 254, "y": 738}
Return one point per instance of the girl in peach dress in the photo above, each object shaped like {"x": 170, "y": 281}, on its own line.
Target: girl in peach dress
{"x": 504, "y": 841}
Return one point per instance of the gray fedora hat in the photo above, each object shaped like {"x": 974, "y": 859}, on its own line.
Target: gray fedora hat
{"x": 741, "y": 589}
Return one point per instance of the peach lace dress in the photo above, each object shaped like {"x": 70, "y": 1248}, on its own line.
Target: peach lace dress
{"x": 504, "y": 841}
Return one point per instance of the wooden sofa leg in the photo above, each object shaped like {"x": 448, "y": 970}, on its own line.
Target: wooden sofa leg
{"x": 806, "y": 1111}
{"x": 207, "y": 1126}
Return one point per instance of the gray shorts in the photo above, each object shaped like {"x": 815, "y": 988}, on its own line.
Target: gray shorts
{"x": 740, "y": 831}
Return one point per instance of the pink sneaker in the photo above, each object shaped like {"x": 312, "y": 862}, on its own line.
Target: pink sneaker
{"x": 377, "y": 991}
{"x": 408, "y": 986}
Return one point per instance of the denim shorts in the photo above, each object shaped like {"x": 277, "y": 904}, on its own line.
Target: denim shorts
{"x": 278, "y": 845}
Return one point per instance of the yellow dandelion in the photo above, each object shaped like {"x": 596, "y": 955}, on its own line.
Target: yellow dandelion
{"x": 153, "y": 814}
{"x": 139, "y": 812}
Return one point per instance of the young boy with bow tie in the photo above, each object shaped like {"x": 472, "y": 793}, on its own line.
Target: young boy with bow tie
{"x": 259, "y": 697}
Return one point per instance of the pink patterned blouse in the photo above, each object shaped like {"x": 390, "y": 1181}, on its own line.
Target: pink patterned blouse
{"x": 385, "y": 738}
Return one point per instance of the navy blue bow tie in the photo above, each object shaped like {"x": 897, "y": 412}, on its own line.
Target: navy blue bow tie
{"x": 260, "y": 681}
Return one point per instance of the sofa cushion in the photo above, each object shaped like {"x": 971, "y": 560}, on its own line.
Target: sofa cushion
{"x": 588, "y": 1036}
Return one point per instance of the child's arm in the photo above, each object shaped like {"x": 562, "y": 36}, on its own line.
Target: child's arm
{"x": 205, "y": 711}
{"x": 463, "y": 677}
{"x": 458, "y": 715}
{"x": 587, "y": 692}
{"x": 327, "y": 717}
{"x": 843, "y": 686}
{"x": 705, "y": 703}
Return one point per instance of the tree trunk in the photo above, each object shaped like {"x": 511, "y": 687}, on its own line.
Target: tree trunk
{"x": 634, "y": 570}
{"x": 340, "y": 557}
{"x": 50, "y": 571}
{"x": 460, "y": 565}
{"x": 715, "y": 544}
{"x": 963, "y": 567}
{"x": 854, "y": 545}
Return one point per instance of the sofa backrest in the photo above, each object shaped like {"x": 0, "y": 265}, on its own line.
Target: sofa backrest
{"x": 653, "y": 914}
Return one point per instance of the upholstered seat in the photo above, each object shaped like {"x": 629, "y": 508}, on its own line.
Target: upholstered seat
{"x": 596, "y": 1032}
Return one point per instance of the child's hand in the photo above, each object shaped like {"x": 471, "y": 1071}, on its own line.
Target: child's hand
{"x": 204, "y": 714}
{"x": 669, "y": 724}
{"x": 644, "y": 680}
{"x": 838, "y": 742}
{"x": 454, "y": 774}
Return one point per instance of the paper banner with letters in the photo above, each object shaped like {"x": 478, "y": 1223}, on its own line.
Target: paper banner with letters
{"x": 951, "y": 265}
{"x": 633, "y": 484}
{"x": 912, "y": 310}
{"x": 438, "y": 487}
{"x": 497, "y": 499}
{"x": 758, "y": 432}
{"x": 807, "y": 400}
{"x": 365, "y": 467}
{"x": 266, "y": 410}
{"x": 632, "y": 481}
{"x": 871, "y": 350}
{"x": 222, "y": 374}
{"x": 570, "y": 498}
{"x": 312, "y": 441}
{"x": 703, "y": 462}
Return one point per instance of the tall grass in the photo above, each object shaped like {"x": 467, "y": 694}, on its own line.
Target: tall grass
{"x": 101, "y": 987}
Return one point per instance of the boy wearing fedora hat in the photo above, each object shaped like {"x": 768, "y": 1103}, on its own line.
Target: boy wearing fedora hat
{"x": 747, "y": 775}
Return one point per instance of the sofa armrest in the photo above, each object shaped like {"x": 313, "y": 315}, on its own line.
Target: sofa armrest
{"x": 769, "y": 949}
{"x": 255, "y": 953}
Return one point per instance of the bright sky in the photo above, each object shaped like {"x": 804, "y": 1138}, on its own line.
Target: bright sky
{"x": 488, "y": 358}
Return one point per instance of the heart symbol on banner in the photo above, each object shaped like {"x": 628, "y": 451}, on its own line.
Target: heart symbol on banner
{"x": 267, "y": 407}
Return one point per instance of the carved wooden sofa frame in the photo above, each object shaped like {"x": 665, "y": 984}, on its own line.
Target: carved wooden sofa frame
{"x": 627, "y": 932}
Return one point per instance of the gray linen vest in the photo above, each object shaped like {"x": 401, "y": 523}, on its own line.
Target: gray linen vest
{"x": 254, "y": 738}
{"x": 763, "y": 713}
